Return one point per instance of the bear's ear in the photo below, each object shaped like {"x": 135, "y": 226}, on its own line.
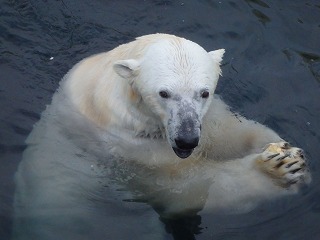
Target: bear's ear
{"x": 217, "y": 55}
{"x": 126, "y": 68}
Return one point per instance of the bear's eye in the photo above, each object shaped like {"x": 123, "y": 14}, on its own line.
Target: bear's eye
{"x": 205, "y": 94}
{"x": 164, "y": 94}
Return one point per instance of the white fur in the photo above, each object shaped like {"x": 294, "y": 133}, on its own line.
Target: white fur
{"x": 107, "y": 125}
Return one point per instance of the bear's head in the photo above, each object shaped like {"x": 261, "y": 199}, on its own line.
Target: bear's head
{"x": 176, "y": 79}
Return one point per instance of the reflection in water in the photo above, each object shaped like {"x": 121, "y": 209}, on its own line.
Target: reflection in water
{"x": 262, "y": 18}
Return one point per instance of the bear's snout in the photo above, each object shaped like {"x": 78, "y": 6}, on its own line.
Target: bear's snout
{"x": 186, "y": 143}
{"x": 186, "y": 135}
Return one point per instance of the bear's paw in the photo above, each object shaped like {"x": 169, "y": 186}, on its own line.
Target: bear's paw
{"x": 285, "y": 164}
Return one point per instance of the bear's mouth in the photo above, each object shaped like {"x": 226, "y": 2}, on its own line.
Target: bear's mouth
{"x": 182, "y": 153}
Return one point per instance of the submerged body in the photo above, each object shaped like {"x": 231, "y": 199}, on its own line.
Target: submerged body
{"x": 144, "y": 116}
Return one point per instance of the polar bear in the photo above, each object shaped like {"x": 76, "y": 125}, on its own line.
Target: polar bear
{"x": 144, "y": 117}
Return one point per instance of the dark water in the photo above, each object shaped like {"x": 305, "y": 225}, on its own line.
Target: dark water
{"x": 271, "y": 73}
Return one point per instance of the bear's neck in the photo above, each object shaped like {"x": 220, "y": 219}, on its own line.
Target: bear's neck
{"x": 143, "y": 123}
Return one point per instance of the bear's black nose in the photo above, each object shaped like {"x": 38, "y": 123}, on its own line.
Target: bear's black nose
{"x": 187, "y": 142}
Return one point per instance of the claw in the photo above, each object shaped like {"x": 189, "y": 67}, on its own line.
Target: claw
{"x": 286, "y": 145}
{"x": 295, "y": 170}
{"x": 293, "y": 181}
{"x": 301, "y": 153}
{"x": 272, "y": 156}
{"x": 290, "y": 164}
{"x": 279, "y": 164}
{"x": 283, "y": 157}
